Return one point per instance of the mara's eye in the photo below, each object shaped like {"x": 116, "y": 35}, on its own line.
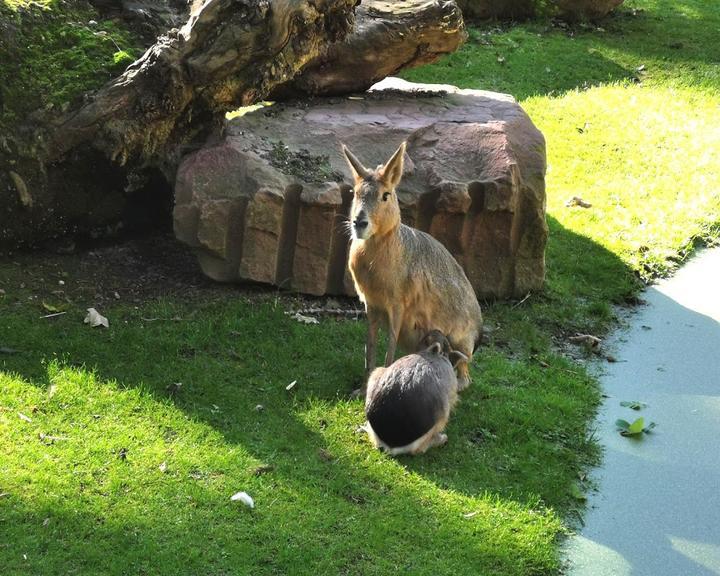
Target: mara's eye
{"x": 386, "y": 195}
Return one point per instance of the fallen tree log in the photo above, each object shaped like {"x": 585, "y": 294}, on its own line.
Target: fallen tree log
{"x": 388, "y": 37}
{"x": 229, "y": 53}
{"x": 112, "y": 160}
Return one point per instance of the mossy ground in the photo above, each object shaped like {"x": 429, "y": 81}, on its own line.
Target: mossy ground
{"x": 52, "y": 52}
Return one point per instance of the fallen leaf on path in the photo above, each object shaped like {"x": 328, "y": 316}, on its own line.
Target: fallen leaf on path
{"x": 637, "y": 427}
{"x": 94, "y": 318}
{"x": 633, "y": 404}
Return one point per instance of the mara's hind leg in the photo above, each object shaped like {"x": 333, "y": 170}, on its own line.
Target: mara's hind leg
{"x": 463, "y": 375}
{"x": 463, "y": 366}
{"x": 433, "y": 437}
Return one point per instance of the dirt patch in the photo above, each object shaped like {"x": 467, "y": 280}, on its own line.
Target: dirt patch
{"x": 137, "y": 271}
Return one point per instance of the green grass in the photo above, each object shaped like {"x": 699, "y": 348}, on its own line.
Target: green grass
{"x": 81, "y": 485}
{"x": 331, "y": 504}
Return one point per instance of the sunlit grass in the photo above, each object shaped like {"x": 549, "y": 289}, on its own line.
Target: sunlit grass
{"x": 646, "y": 158}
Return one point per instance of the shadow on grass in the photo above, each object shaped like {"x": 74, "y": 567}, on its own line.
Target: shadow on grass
{"x": 235, "y": 354}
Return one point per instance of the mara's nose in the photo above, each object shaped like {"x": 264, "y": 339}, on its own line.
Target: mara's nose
{"x": 361, "y": 220}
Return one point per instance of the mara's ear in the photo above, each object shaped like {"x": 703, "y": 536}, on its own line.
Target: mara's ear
{"x": 359, "y": 172}
{"x": 434, "y": 348}
{"x": 391, "y": 173}
{"x": 457, "y": 357}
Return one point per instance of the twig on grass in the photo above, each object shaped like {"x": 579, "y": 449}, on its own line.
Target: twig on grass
{"x": 52, "y": 315}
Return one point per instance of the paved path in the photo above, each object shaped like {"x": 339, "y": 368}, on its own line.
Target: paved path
{"x": 657, "y": 512}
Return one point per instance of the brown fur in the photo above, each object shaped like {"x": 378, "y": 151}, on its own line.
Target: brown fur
{"x": 408, "y": 404}
{"x": 408, "y": 281}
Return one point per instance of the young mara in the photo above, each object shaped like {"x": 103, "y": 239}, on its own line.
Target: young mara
{"x": 408, "y": 404}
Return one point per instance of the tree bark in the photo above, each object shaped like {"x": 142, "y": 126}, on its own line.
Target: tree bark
{"x": 388, "y": 36}
{"x": 230, "y": 53}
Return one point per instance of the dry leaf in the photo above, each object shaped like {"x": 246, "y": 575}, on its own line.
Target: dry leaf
{"x": 587, "y": 339}
{"x": 245, "y": 498}
{"x": 326, "y": 455}
{"x": 305, "y": 319}
{"x": 263, "y": 469}
{"x": 94, "y": 318}
{"x": 23, "y": 417}
{"x": 163, "y": 467}
{"x": 577, "y": 201}
{"x": 291, "y": 385}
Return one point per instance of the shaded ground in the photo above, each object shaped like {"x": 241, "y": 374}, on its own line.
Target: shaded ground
{"x": 138, "y": 270}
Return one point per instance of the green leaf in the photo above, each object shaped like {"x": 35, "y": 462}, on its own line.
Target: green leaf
{"x": 637, "y": 426}
{"x": 622, "y": 424}
{"x": 633, "y": 404}
{"x": 50, "y": 307}
{"x": 577, "y": 493}
{"x": 649, "y": 427}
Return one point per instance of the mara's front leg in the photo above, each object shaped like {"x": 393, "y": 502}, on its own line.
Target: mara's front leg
{"x": 395, "y": 318}
{"x": 374, "y": 318}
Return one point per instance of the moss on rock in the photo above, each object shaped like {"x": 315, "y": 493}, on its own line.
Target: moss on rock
{"x": 51, "y": 52}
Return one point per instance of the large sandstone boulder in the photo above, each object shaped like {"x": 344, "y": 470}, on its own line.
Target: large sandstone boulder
{"x": 473, "y": 10}
{"x": 501, "y": 9}
{"x": 586, "y": 9}
{"x": 269, "y": 203}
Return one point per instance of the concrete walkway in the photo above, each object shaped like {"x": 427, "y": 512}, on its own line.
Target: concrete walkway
{"x": 657, "y": 511}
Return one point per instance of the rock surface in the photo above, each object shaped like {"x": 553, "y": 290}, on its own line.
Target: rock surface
{"x": 521, "y": 9}
{"x": 269, "y": 202}
{"x": 586, "y": 9}
{"x": 501, "y": 9}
